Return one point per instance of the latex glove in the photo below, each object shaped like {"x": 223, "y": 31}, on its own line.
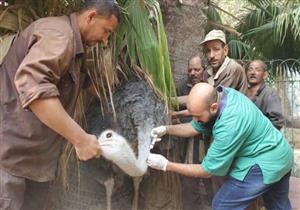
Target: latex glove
{"x": 157, "y": 161}
{"x": 156, "y": 133}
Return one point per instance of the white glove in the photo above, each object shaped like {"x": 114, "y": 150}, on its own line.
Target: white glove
{"x": 157, "y": 161}
{"x": 156, "y": 133}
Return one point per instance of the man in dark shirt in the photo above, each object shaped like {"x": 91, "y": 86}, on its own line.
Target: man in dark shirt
{"x": 40, "y": 80}
{"x": 263, "y": 96}
{"x": 195, "y": 72}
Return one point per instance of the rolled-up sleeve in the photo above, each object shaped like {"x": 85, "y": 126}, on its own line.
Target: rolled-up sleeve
{"x": 200, "y": 128}
{"x": 48, "y": 58}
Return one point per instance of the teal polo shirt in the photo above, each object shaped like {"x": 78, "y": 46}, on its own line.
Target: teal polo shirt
{"x": 243, "y": 137}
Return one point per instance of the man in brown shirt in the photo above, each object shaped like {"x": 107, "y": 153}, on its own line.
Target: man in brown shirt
{"x": 222, "y": 70}
{"x": 40, "y": 79}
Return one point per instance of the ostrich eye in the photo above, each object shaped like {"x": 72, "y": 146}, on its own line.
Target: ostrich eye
{"x": 108, "y": 135}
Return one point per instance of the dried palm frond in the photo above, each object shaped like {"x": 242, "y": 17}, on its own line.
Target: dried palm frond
{"x": 103, "y": 73}
{"x": 17, "y": 17}
{"x": 5, "y": 43}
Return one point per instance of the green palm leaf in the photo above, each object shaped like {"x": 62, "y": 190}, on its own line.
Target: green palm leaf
{"x": 141, "y": 36}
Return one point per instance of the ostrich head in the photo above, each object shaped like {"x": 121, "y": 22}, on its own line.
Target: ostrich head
{"x": 112, "y": 144}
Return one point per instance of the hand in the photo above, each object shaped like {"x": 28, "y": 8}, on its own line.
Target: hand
{"x": 88, "y": 148}
{"x": 156, "y": 133}
{"x": 157, "y": 161}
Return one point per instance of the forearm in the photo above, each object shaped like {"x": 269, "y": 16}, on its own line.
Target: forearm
{"x": 51, "y": 112}
{"x": 181, "y": 130}
{"x": 182, "y": 100}
{"x": 182, "y": 113}
{"x": 194, "y": 170}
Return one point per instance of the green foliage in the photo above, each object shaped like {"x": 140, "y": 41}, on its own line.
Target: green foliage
{"x": 270, "y": 30}
{"x": 238, "y": 49}
{"x": 141, "y": 36}
{"x": 273, "y": 28}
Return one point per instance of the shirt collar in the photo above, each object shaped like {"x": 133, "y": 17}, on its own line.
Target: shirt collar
{"x": 223, "y": 99}
{"x": 78, "y": 39}
{"x": 213, "y": 76}
{"x": 260, "y": 89}
{"x": 189, "y": 85}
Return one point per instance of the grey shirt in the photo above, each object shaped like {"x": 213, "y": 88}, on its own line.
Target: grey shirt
{"x": 268, "y": 101}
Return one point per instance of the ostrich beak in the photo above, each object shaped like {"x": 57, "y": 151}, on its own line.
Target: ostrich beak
{"x": 104, "y": 142}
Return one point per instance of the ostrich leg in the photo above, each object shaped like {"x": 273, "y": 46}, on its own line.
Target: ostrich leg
{"x": 109, "y": 186}
{"x": 136, "y": 186}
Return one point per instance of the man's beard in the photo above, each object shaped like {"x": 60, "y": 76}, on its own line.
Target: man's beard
{"x": 212, "y": 119}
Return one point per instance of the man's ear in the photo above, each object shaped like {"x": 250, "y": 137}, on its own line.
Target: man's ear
{"x": 266, "y": 74}
{"x": 214, "y": 107}
{"x": 226, "y": 49}
{"x": 91, "y": 14}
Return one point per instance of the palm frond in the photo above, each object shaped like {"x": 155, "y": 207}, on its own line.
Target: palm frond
{"x": 17, "y": 17}
{"x": 263, "y": 5}
{"x": 240, "y": 50}
{"x": 141, "y": 36}
{"x": 213, "y": 14}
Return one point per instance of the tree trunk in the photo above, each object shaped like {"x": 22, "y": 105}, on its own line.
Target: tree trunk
{"x": 185, "y": 27}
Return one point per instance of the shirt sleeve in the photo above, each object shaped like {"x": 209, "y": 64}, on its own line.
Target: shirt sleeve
{"x": 274, "y": 110}
{"x": 200, "y": 128}
{"x": 236, "y": 78}
{"x": 48, "y": 58}
{"x": 228, "y": 139}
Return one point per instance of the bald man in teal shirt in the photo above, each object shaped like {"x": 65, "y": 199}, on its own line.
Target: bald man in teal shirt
{"x": 246, "y": 146}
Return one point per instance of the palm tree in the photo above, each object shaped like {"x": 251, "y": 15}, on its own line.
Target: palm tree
{"x": 269, "y": 30}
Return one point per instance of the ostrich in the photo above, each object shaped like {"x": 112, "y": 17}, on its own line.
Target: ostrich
{"x": 138, "y": 110}
{"x": 115, "y": 148}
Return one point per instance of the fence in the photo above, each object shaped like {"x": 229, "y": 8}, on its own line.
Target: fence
{"x": 286, "y": 80}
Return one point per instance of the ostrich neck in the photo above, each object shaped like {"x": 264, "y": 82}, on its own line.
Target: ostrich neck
{"x": 144, "y": 142}
{"x": 138, "y": 165}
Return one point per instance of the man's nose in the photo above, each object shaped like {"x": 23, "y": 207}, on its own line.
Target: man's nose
{"x": 211, "y": 55}
{"x": 104, "y": 42}
{"x": 196, "y": 119}
{"x": 251, "y": 71}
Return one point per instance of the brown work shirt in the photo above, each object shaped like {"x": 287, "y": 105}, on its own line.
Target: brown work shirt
{"x": 230, "y": 74}
{"x": 44, "y": 61}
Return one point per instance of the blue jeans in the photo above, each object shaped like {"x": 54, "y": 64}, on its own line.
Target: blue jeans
{"x": 237, "y": 195}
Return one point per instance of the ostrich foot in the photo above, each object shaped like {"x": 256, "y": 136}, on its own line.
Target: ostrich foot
{"x": 136, "y": 186}
{"x": 109, "y": 186}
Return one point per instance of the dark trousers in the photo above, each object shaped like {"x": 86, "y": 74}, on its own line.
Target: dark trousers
{"x": 18, "y": 193}
{"x": 237, "y": 195}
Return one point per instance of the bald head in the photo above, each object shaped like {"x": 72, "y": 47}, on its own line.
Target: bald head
{"x": 259, "y": 63}
{"x": 257, "y": 72}
{"x": 201, "y": 97}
